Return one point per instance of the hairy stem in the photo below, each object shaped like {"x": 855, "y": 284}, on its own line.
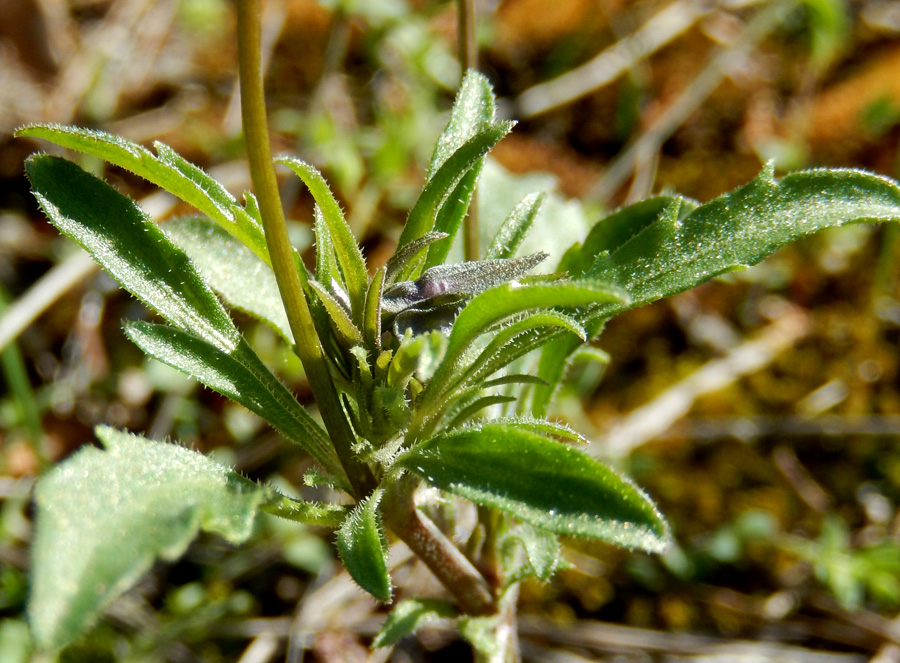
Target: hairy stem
{"x": 262, "y": 172}
{"x": 440, "y": 555}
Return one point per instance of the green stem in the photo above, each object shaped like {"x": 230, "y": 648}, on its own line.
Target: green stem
{"x": 262, "y": 172}
{"x": 468, "y": 59}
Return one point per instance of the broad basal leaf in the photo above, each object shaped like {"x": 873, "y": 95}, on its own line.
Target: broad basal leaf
{"x": 541, "y": 482}
{"x": 126, "y": 243}
{"x": 242, "y": 377}
{"x": 244, "y": 281}
{"x": 363, "y": 548}
{"x": 103, "y": 517}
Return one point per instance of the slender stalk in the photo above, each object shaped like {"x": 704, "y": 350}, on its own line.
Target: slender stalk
{"x": 262, "y": 172}
{"x": 468, "y": 44}
{"x": 468, "y": 59}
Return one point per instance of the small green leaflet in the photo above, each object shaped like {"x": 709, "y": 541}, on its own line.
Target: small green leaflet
{"x": 363, "y": 548}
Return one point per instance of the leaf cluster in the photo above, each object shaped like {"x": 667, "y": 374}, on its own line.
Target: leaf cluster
{"x": 445, "y": 371}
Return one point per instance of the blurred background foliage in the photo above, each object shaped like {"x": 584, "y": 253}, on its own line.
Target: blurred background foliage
{"x": 762, "y": 410}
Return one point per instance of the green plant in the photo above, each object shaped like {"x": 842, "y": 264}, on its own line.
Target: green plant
{"x": 425, "y": 373}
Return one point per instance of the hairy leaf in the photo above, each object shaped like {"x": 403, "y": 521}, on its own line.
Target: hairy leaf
{"x": 473, "y": 111}
{"x": 421, "y": 217}
{"x": 126, "y": 243}
{"x": 739, "y": 229}
{"x": 540, "y": 481}
{"x": 104, "y": 516}
{"x": 349, "y": 256}
{"x": 398, "y": 262}
{"x": 244, "y": 281}
{"x": 542, "y": 552}
{"x": 308, "y": 513}
{"x": 242, "y": 377}
{"x": 516, "y": 226}
{"x": 348, "y": 332}
{"x": 168, "y": 171}
{"x": 451, "y": 214}
{"x": 363, "y": 548}
{"x": 408, "y": 616}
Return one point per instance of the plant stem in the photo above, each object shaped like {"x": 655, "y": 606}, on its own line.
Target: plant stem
{"x": 440, "y": 555}
{"x": 262, "y": 173}
{"x": 468, "y": 59}
{"x": 468, "y": 43}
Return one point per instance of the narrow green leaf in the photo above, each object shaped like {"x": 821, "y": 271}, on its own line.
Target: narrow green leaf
{"x": 541, "y": 482}
{"x": 308, "y": 513}
{"x": 168, "y": 171}
{"x": 362, "y": 546}
{"x": 372, "y": 317}
{"x": 340, "y": 318}
{"x": 739, "y": 229}
{"x": 543, "y": 427}
{"x": 421, "y": 217}
{"x": 104, "y": 516}
{"x": 327, "y": 270}
{"x": 243, "y": 280}
{"x": 512, "y": 378}
{"x": 406, "y": 618}
{"x": 349, "y": 256}
{"x": 242, "y": 377}
{"x": 402, "y": 256}
{"x": 516, "y": 226}
{"x": 502, "y": 348}
{"x": 473, "y": 110}
{"x": 469, "y": 410}
{"x": 509, "y": 299}
{"x": 126, "y": 243}
{"x": 451, "y": 214}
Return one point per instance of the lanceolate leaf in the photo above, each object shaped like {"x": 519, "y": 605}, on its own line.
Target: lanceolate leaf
{"x": 403, "y": 255}
{"x": 126, "y": 243}
{"x": 104, "y": 516}
{"x": 349, "y": 256}
{"x": 516, "y": 226}
{"x": 663, "y": 246}
{"x": 450, "y": 216}
{"x": 244, "y": 281}
{"x": 508, "y": 299}
{"x": 473, "y": 110}
{"x": 242, "y": 377}
{"x": 540, "y": 481}
{"x": 363, "y": 548}
{"x": 168, "y": 171}
{"x": 422, "y": 216}
{"x": 739, "y": 229}
{"x": 340, "y": 318}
